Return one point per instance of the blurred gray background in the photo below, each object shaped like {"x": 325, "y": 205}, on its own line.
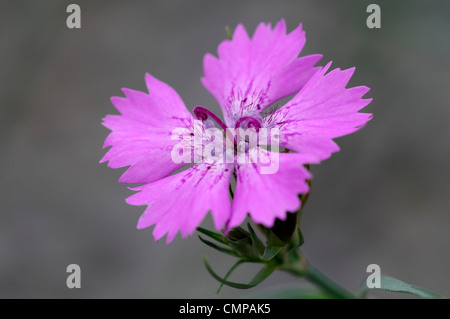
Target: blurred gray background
{"x": 383, "y": 199}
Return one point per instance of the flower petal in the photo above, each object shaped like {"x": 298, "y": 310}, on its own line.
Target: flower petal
{"x": 181, "y": 201}
{"x": 251, "y": 74}
{"x": 268, "y": 195}
{"x": 141, "y": 135}
{"x": 324, "y": 109}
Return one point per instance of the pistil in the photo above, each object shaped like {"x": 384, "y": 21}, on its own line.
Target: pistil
{"x": 202, "y": 114}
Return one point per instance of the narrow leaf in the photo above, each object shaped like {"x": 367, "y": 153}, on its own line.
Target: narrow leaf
{"x": 395, "y": 285}
{"x": 259, "y": 277}
{"x": 216, "y": 236}
{"x": 262, "y": 275}
{"x": 239, "y": 262}
{"x": 219, "y": 248}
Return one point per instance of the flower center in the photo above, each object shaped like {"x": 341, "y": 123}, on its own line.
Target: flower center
{"x": 240, "y": 137}
{"x": 248, "y": 122}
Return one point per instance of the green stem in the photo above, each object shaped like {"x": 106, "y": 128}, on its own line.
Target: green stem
{"x": 301, "y": 268}
{"x": 321, "y": 280}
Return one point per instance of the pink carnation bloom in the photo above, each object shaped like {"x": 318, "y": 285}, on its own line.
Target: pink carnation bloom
{"x": 249, "y": 75}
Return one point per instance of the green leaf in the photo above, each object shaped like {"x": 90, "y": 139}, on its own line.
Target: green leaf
{"x": 216, "y": 236}
{"x": 239, "y": 262}
{"x": 262, "y": 275}
{"x": 259, "y": 277}
{"x": 219, "y": 248}
{"x": 270, "y": 252}
{"x": 395, "y": 285}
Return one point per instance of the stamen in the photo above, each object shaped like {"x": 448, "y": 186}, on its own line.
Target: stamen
{"x": 202, "y": 114}
{"x": 251, "y": 122}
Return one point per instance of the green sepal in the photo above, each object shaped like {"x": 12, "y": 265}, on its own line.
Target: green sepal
{"x": 241, "y": 241}
{"x": 301, "y": 239}
{"x": 274, "y": 240}
{"x": 256, "y": 242}
{"x": 270, "y": 252}
{"x": 229, "y": 33}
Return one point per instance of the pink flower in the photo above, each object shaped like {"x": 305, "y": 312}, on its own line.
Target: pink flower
{"x": 249, "y": 75}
